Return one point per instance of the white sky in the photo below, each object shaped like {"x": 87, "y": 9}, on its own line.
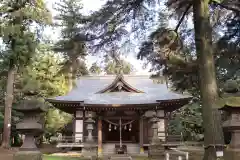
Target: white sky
{"x": 88, "y": 6}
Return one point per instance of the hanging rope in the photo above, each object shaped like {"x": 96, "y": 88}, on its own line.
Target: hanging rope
{"x": 117, "y": 124}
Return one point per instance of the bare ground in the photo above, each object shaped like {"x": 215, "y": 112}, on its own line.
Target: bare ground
{"x": 6, "y": 154}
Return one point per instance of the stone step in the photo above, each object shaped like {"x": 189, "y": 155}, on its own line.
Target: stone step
{"x": 120, "y": 157}
{"x": 131, "y": 148}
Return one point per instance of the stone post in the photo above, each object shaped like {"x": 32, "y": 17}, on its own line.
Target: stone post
{"x": 141, "y": 135}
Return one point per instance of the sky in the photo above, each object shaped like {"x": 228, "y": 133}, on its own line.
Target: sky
{"x": 88, "y": 7}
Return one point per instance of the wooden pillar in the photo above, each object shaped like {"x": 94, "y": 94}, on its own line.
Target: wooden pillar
{"x": 84, "y": 127}
{"x": 99, "y": 136}
{"x": 141, "y": 135}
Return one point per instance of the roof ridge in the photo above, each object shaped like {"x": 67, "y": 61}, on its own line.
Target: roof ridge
{"x": 111, "y": 76}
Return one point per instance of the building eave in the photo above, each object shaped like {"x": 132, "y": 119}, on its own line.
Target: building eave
{"x": 72, "y": 106}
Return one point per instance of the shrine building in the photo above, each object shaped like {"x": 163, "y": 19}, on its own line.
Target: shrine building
{"x": 118, "y": 105}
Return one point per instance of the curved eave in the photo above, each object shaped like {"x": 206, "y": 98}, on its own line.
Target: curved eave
{"x": 63, "y": 101}
{"x": 174, "y": 104}
{"x": 66, "y": 106}
{"x": 72, "y": 106}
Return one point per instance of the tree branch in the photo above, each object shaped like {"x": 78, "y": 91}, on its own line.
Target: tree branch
{"x": 229, "y": 8}
{"x": 183, "y": 16}
{"x": 225, "y": 6}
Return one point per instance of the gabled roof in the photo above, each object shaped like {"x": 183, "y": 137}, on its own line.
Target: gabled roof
{"x": 93, "y": 90}
{"x": 119, "y": 84}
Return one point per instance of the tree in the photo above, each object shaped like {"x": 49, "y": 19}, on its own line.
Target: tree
{"x": 95, "y": 68}
{"x": 112, "y": 68}
{"x": 115, "y": 65}
{"x": 16, "y": 18}
{"x": 111, "y": 26}
{"x": 207, "y": 78}
{"x": 72, "y": 43}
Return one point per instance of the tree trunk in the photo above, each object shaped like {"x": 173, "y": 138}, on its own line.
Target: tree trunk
{"x": 213, "y": 134}
{"x": 8, "y": 106}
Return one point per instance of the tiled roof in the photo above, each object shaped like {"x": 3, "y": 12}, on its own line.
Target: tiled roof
{"x": 88, "y": 86}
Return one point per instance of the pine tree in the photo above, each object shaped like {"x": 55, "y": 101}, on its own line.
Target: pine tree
{"x": 72, "y": 42}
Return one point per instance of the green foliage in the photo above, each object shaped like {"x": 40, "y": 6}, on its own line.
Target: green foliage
{"x": 47, "y": 157}
{"x": 55, "y": 122}
{"x": 95, "y": 68}
{"x": 16, "y": 20}
{"x": 112, "y": 68}
{"x": 42, "y": 74}
{"x": 188, "y": 121}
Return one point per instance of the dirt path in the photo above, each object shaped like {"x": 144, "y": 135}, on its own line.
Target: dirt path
{"x": 6, "y": 154}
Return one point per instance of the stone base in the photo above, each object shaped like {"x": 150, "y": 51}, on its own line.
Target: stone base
{"x": 120, "y": 157}
{"x": 99, "y": 152}
{"x": 27, "y": 155}
{"x": 232, "y": 154}
{"x": 156, "y": 151}
{"x": 90, "y": 153}
{"x": 141, "y": 150}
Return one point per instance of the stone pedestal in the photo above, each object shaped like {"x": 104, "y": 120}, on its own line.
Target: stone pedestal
{"x": 235, "y": 140}
{"x": 28, "y": 155}
{"x": 232, "y": 154}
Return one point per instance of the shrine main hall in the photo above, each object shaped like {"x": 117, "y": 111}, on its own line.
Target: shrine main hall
{"x": 121, "y": 108}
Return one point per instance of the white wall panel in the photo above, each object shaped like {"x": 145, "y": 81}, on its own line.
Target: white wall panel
{"x": 78, "y": 130}
{"x": 79, "y": 126}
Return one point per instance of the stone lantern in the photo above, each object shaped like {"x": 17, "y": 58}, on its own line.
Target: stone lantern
{"x": 90, "y": 147}
{"x": 89, "y": 128}
{"x": 31, "y": 126}
{"x": 154, "y": 120}
{"x": 231, "y": 105}
{"x": 156, "y": 149}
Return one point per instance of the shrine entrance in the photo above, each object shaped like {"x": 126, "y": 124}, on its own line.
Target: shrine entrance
{"x": 120, "y": 131}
